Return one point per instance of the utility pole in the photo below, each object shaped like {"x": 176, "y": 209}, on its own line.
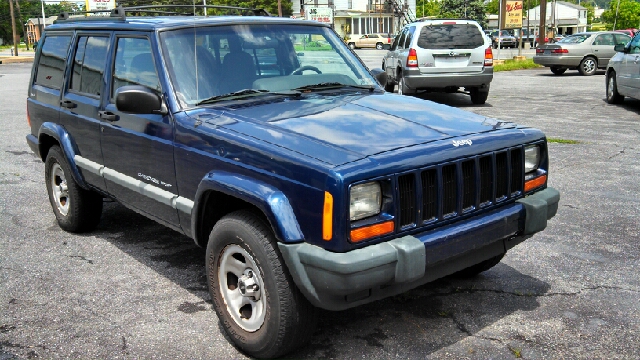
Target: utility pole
{"x": 280, "y": 8}
{"x": 24, "y": 29}
{"x": 542, "y": 30}
{"x": 16, "y": 40}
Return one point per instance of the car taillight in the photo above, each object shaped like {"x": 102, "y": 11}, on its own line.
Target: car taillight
{"x": 560, "y": 51}
{"x": 488, "y": 57}
{"x": 28, "y": 117}
{"x": 412, "y": 59}
{"x": 539, "y": 51}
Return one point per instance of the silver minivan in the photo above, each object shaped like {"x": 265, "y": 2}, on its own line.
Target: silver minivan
{"x": 623, "y": 72}
{"x": 441, "y": 55}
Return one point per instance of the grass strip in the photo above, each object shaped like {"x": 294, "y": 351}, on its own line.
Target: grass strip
{"x": 515, "y": 65}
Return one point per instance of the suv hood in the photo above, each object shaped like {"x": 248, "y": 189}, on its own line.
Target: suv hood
{"x": 337, "y": 129}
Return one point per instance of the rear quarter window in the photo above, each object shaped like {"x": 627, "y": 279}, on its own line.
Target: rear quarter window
{"x": 450, "y": 36}
{"x": 53, "y": 58}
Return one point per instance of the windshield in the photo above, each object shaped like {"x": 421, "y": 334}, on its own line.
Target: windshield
{"x": 574, "y": 39}
{"x": 207, "y": 62}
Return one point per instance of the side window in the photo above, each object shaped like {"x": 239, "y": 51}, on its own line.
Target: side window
{"x": 52, "y": 61}
{"x": 622, "y": 39}
{"x": 134, "y": 65}
{"x": 402, "y": 38}
{"x": 604, "y": 39}
{"x": 88, "y": 64}
{"x": 634, "y": 46}
{"x": 407, "y": 43}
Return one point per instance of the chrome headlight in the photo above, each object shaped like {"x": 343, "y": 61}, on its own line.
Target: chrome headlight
{"x": 531, "y": 158}
{"x": 365, "y": 200}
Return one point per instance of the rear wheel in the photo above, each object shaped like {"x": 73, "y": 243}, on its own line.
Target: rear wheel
{"x": 379, "y": 46}
{"x": 588, "y": 66}
{"x": 402, "y": 87}
{"x": 558, "y": 70}
{"x": 76, "y": 209}
{"x": 479, "y": 96}
{"x": 258, "y": 304}
{"x": 613, "y": 97}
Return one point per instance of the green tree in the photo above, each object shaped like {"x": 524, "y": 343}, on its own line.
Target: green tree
{"x": 493, "y": 7}
{"x": 427, "y": 8}
{"x": 628, "y": 15}
{"x": 464, "y": 9}
{"x": 270, "y": 5}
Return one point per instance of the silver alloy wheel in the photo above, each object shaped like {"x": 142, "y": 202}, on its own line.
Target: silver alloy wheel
{"x": 401, "y": 86}
{"x": 60, "y": 189}
{"x": 589, "y": 66}
{"x": 610, "y": 88}
{"x": 242, "y": 287}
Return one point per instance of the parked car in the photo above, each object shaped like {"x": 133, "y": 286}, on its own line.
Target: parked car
{"x": 377, "y": 41}
{"x": 503, "y": 39}
{"x": 585, "y": 52}
{"x": 310, "y": 186}
{"x": 623, "y": 72}
{"x": 441, "y": 55}
{"x": 630, "y": 32}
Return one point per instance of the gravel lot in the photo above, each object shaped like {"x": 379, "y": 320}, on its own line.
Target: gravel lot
{"x": 134, "y": 289}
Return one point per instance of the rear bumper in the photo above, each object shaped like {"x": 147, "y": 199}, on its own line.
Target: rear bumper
{"x": 338, "y": 281}
{"x": 562, "y": 61}
{"x": 415, "y": 80}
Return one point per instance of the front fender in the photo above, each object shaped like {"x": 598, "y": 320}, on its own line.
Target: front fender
{"x": 272, "y": 202}
{"x": 67, "y": 145}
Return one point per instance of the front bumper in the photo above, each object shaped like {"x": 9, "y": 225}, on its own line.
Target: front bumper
{"x": 338, "y": 281}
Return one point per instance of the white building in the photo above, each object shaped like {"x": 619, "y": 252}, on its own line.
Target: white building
{"x": 563, "y": 17}
{"x": 353, "y": 18}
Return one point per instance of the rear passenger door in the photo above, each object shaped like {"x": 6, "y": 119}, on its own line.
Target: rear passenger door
{"x": 81, "y": 100}
{"x": 138, "y": 148}
{"x": 602, "y": 46}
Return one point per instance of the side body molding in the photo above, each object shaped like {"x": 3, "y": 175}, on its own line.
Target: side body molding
{"x": 67, "y": 145}
{"x": 272, "y": 202}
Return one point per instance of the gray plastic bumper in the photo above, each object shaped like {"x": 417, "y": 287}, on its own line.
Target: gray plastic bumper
{"x": 338, "y": 281}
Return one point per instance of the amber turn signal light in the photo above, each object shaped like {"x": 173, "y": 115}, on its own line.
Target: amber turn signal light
{"x": 327, "y": 217}
{"x": 368, "y": 232}
{"x": 534, "y": 183}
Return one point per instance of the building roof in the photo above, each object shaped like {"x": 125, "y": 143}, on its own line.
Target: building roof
{"x": 571, "y": 5}
{"x": 38, "y": 21}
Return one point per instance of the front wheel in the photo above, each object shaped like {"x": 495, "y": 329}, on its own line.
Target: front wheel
{"x": 76, "y": 209}
{"x": 352, "y": 46}
{"x": 613, "y": 97}
{"x": 476, "y": 269}
{"x": 379, "y": 46}
{"x": 588, "y": 66}
{"x": 257, "y": 302}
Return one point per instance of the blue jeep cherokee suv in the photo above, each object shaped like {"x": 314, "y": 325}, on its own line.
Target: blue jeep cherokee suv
{"x": 269, "y": 143}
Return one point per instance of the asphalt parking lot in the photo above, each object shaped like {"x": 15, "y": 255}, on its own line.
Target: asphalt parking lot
{"x": 134, "y": 289}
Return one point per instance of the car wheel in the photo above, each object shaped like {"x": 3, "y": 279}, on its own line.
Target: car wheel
{"x": 389, "y": 86}
{"x": 613, "y": 97}
{"x": 588, "y": 66}
{"x": 402, "y": 87}
{"x": 474, "y": 270}
{"x": 255, "y": 298}
{"x": 558, "y": 70}
{"x": 379, "y": 46}
{"x": 76, "y": 209}
{"x": 479, "y": 96}
{"x": 495, "y": 46}
{"x": 352, "y": 46}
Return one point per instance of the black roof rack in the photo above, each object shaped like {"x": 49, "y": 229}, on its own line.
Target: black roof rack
{"x": 119, "y": 13}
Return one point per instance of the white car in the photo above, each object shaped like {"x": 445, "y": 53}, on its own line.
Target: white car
{"x": 623, "y": 72}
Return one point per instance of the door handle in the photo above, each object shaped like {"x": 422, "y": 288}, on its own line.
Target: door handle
{"x": 68, "y": 104}
{"x": 108, "y": 116}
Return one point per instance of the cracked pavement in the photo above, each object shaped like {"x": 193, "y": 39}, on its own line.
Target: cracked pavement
{"x": 134, "y": 289}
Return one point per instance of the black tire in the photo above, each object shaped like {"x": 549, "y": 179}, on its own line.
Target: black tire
{"x": 288, "y": 319}
{"x": 558, "y": 70}
{"x": 379, "y": 46}
{"x": 352, "y": 46}
{"x": 588, "y": 66}
{"x": 613, "y": 97}
{"x": 76, "y": 209}
{"x": 479, "y": 96}
{"x": 402, "y": 88}
{"x": 476, "y": 269}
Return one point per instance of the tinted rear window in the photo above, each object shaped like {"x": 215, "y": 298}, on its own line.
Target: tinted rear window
{"x": 450, "y": 36}
{"x": 52, "y": 61}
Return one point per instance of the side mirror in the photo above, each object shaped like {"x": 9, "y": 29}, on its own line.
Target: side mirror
{"x": 380, "y": 75}
{"x": 619, "y": 48}
{"x": 138, "y": 99}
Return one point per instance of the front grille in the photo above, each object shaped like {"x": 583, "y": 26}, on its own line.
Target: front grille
{"x": 459, "y": 187}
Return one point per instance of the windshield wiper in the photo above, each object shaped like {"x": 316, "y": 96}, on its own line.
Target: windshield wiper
{"x": 232, "y": 95}
{"x": 333, "y": 85}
